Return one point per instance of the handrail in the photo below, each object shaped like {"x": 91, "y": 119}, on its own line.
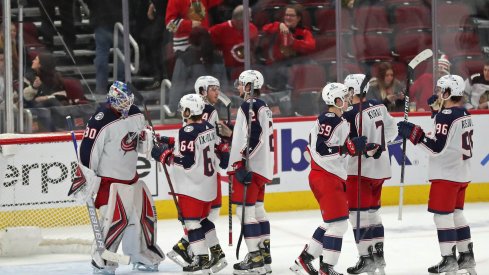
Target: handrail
{"x": 165, "y": 85}
{"x": 117, "y": 53}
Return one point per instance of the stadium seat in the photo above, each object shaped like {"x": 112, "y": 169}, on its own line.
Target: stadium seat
{"x": 453, "y": 14}
{"x": 348, "y": 68}
{"x": 372, "y": 47}
{"x": 408, "y": 45}
{"x": 74, "y": 90}
{"x": 261, "y": 18}
{"x": 306, "y": 77}
{"x": 326, "y": 20}
{"x": 371, "y": 18}
{"x": 460, "y": 43}
{"x": 468, "y": 65}
{"x": 408, "y": 17}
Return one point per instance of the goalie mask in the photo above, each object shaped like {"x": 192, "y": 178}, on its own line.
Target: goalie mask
{"x": 354, "y": 81}
{"x": 120, "y": 98}
{"x": 251, "y": 76}
{"x": 453, "y": 84}
{"x": 332, "y": 91}
{"x": 191, "y": 105}
{"x": 203, "y": 83}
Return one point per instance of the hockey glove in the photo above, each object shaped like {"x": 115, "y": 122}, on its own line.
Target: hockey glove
{"x": 434, "y": 104}
{"x": 90, "y": 188}
{"x": 168, "y": 140}
{"x": 162, "y": 153}
{"x": 222, "y": 152}
{"x": 373, "y": 150}
{"x": 410, "y": 131}
{"x": 242, "y": 175}
{"x": 354, "y": 146}
{"x": 224, "y": 130}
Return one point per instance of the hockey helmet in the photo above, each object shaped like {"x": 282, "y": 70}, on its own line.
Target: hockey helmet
{"x": 204, "y": 82}
{"x": 191, "y": 105}
{"x": 453, "y": 82}
{"x": 120, "y": 98}
{"x": 251, "y": 76}
{"x": 332, "y": 91}
{"x": 355, "y": 81}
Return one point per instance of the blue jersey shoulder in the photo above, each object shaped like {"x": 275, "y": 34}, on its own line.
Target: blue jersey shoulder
{"x": 192, "y": 130}
{"x": 448, "y": 115}
{"x": 329, "y": 118}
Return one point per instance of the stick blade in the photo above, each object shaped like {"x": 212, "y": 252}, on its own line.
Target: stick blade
{"x": 115, "y": 257}
{"x": 224, "y": 99}
{"x": 422, "y": 56}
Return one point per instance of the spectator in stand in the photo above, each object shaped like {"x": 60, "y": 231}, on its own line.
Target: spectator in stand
{"x": 103, "y": 16}
{"x": 289, "y": 39}
{"x": 476, "y": 86}
{"x": 387, "y": 89}
{"x": 66, "y": 15}
{"x": 228, "y": 38}
{"x": 184, "y": 15}
{"x": 422, "y": 88}
{"x": 484, "y": 101}
{"x": 15, "y": 55}
{"x": 201, "y": 58}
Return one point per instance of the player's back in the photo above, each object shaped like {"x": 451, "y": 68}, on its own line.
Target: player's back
{"x": 194, "y": 169}
{"x": 379, "y": 127}
{"x": 326, "y": 136}
{"x": 450, "y": 145}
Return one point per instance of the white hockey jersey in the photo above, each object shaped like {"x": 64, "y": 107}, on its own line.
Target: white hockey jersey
{"x": 379, "y": 127}
{"x": 450, "y": 146}
{"x": 261, "y": 140}
{"x": 194, "y": 165}
{"x": 325, "y": 139}
{"x": 109, "y": 145}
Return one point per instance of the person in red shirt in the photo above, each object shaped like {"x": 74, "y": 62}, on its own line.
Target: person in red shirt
{"x": 228, "y": 38}
{"x": 184, "y": 15}
{"x": 422, "y": 88}
{"x": 291, "y": 38}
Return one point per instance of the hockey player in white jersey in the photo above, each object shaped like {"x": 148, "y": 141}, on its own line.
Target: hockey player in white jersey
{"x": 194, "y": 173}
{"x": 328, "y": 147}
{"x": 209, "y": 88}
{"x": 108, "y": 154}
{"x": 449, "y": 146}
{"x": 260, "y": 158}
{"x": 379, "y": 127}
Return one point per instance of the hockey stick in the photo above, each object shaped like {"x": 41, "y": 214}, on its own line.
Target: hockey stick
{"x": 92, "y": 212}
{"x": 227, "y": 102}
{"x": 360, "y": 132}
{"x": 422, "y": 56}
{"x": 172, "y": 191}
{"x": 250, "y": 116}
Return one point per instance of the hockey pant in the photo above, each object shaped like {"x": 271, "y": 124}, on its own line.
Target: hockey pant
{"x": 371, "y": 229}
{"x": 256, "y": 225}
{"x": 129, "y": 217}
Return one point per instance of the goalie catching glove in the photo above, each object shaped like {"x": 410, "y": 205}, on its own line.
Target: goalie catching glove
{"x": 410, "y": 131}
{"x": 162, "y": 153}
{"x": 86, "y": 192}
{"x": 354, "y": 146}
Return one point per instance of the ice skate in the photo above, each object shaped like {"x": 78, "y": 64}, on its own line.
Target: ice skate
{"x": 218, "y": 259}
{"x": 379, "y": 258}
{"x": 145, "y": 267}
{"x": 199, "y": 263}
{"x": 466, "y": 261}
{"x": 326, "y": 269}
{"x": 303, "y": 264}
{"x": 448, "y": 265}
{"x": 365, "y": 264}
{"x": 252, "y": 264}
{"x": 108, "y": 270}
{"x": 267, "y": 257}
{"x": 180, "y": 253}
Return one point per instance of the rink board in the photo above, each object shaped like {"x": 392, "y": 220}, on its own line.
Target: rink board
{"x": 40, "y": 169}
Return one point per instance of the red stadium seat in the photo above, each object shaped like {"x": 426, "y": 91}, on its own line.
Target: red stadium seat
{"x": 348, "y": 68}
{"x": 371, "y": 18}
{"x": 74, "y": 90}
{"x": 306, "y": 77}
{"x": 408, "y": 45}
{"x": 468, "y": 65}
{"x": 408, "y": 17}
{"x": 372, "y": 47}
{"x": 261, "y": 17}
{"x": 460, "y": 43}
{"x": 325, "y": 20}
{"x": 453, "y": 15}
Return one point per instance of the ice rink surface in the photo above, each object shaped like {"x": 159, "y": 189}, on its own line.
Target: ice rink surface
{"x": 411, "y": 246}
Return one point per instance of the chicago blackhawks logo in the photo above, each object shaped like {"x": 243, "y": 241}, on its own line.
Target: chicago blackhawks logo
{"x": 129, "y": 142}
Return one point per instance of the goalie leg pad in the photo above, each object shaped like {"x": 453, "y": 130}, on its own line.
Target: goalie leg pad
{"x": 140, "y": 237}
{"x": 100, "y": 265}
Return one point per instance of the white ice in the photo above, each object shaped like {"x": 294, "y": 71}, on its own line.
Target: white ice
{"x": 411, "y": 246}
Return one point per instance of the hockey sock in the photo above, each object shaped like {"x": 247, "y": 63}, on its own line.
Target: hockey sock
{"x": 261, "y": 217}
{"x": 332, "y": 241}
{"x": 196, "y": 237}
{"x": 447, "y": 236}
{"x": 376, "y": 227}
{"x": 252, "y": 229}
{"x": 210, "y": 233}
{"x": 315, "y": 247}
{"x": 463, "y": 231}
{"x": 365, "y": 232}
